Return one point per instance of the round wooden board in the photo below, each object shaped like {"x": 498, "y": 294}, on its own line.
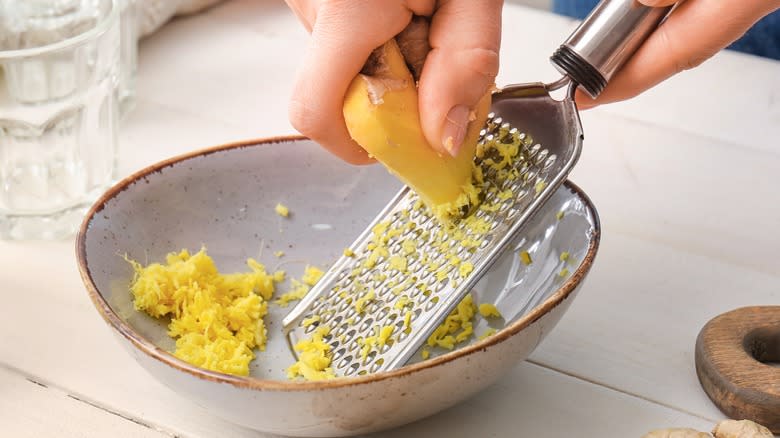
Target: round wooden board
{"x": 734, "y": 356}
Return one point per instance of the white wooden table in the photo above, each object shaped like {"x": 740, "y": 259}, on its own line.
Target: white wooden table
{"x": 685, "y": 179}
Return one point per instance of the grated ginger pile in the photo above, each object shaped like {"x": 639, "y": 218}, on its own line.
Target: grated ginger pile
{"x": 216, "y": 319}
{"x": 314, "y": 359}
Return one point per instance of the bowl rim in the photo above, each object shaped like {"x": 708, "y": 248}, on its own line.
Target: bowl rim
{"x": 248, "y": 382}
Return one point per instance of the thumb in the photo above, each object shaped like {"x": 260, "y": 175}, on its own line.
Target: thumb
{"x": 462, "y": 65}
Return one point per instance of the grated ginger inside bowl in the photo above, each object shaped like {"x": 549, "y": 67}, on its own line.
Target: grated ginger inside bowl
{"x": 216, "y": 319}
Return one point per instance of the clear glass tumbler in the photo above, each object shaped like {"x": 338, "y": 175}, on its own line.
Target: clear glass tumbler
{"x": 128, "y": 55}
{"x": 59, "y": 110}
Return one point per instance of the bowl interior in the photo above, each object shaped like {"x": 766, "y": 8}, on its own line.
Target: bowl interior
{"x": 224, "y": 200}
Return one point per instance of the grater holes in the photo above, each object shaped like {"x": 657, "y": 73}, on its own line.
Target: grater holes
{"x": 365, "y": 275}
{"x": 343, "y": 363}
{"x": 325, "y": 316}
{"x": 541, "y": 156}
{"x": 351, "y": 369}
{"x": 310, "y": 328}
{"x": 391, "y": 316}
{"x": 342, "y": 305}
{"x": 432, "y": 302}
{"x": 356, "y": 344}
{"x": 367, "y": 323}
{"x": 338, "y": 354}
{"x": 524, "y": 168}
{"x": 395, "y": 246}
{"x": 375, "y": 366}
{"x": 339, "y": 330}
{"x": 383, "y": 292}
{"x": 350, "y": 335}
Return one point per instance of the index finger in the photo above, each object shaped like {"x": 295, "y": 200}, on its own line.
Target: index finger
{"x": 343, "y": 36}
{"x": 694, "y": 32}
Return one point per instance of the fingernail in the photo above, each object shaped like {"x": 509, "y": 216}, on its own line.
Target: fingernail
{"x": 455, "y": 129}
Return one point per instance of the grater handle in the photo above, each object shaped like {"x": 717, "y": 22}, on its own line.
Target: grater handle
{"x": 605, "y": 40}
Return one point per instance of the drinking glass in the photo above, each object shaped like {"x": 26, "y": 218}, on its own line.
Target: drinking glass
{"x": 59, "y": 110}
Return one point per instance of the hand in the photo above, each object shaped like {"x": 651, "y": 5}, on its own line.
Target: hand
{"x": 694, "y": 32}
{"x": 462, "y": 64}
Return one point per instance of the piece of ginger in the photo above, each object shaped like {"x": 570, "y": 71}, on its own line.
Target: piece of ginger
{"x": 724, "y": 429}
{"x": 382, "y": 116}
{"x": 676, "y": 433}
{"x": 740, "y": 429}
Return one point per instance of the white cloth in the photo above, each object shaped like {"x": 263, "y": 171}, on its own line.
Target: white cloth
{"x": 152, "y": 14}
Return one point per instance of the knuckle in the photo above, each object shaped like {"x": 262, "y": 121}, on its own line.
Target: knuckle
{"x": 305, "y": 119}
{"x": 483, "y": 65}
{"x": 485, "y": 62}
{"x": 691, "y": 61}
{"x": 682, "y": 57}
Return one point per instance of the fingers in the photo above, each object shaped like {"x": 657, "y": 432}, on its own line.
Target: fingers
{"x": 463, "y": 62}
{"x": 305, "y": 10}
{"x": 695, "y": 31}
{"x": 343, "y": 36}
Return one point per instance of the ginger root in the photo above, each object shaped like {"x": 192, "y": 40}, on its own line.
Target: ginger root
{"x": 677, "y": 433}
{"x": 741, "y": 429}
{"x": 382, "y": 116}
{"x": 724, "y": 429}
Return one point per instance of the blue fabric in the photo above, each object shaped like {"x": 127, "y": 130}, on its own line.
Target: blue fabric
{"x": 763, "y": 39}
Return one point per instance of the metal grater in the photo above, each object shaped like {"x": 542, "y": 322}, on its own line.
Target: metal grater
{"x": 433, "y": 283}
{"x": 590, "y": 57}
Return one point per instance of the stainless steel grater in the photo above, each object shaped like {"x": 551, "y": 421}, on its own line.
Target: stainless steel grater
{"x": 405, "y": 272}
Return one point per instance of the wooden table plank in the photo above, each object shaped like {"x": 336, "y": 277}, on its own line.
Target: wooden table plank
{"x": 688, "y": 233}
{"x": 32, "y": 409}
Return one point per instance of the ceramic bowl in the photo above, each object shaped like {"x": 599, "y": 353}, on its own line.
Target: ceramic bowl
{"x": 223, "y": 198}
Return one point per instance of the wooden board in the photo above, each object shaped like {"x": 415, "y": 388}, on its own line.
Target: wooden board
{"x": 30, "y": 408}
{"x": 733, "y": 355}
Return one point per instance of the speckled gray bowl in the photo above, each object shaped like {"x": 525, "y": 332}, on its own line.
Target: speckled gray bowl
{"x": 223, "y": 198}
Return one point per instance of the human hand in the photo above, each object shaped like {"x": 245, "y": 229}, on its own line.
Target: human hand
{"x": 694, "y": 32}
{"x": 461, "y": 66}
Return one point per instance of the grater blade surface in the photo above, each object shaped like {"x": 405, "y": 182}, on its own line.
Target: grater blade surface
{"x": 407, "y": 272}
